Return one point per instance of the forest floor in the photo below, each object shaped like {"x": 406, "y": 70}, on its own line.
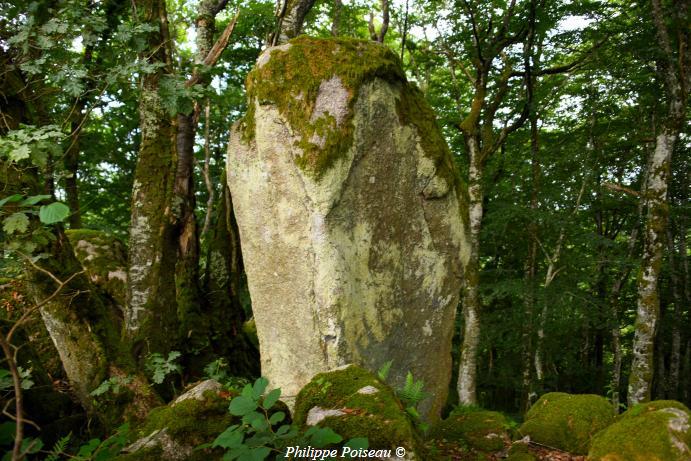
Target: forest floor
{"x": 455, "y": 452}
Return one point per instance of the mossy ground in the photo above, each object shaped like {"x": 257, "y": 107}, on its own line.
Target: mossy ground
{"x": 642, "y": 434}
{"x": 567, "y": 422}
{"x": 482, "y": 430}
{"x": 378, "y": 416}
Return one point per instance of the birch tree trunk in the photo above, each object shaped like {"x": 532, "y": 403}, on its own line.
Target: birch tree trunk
{"x": 675, "y": 72}
{"x": 467, "y": 372}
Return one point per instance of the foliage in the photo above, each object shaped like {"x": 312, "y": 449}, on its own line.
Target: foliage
{"x": 159, "y": 367}
{"x": 261, "y": 433}
{"x": 112, "y": 384}
{"x": 6, "y": 379}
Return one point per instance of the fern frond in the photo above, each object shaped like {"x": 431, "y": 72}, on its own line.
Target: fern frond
{"x": 58, "y": 448}
{"x": 383, "y": 372}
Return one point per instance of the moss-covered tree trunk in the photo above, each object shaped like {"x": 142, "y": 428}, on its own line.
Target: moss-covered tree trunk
{"x": 223, "y": 290}
{"x": 151, "y": 313}
{"x": 674, "y": 61}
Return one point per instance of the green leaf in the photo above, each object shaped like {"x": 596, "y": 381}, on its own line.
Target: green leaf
{"x": 271, "y": 399}
{"x": 357, "y": 443}
{"x": 277, "y": 418}
{"x": 16, "y": 222}
{"x": 20, "y": 153}
{"x": 241, "y": 405}
{"x": 31, "y": 445}
{"x": 11, "y": 199}
{"x": 53, "y": 213}
{"x": 7, "y": 432}
{"x": 33, "y": 200}
{"x": 260, "y": 453}
{"x": 259, "y": 387}
{"x": 322, "y": 436}
{"x": 230, "y": 438}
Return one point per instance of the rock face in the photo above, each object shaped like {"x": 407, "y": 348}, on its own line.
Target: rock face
{"x": 349, "y": 210}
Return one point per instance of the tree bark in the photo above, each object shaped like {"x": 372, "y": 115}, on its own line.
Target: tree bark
{"x": 151, "y": 322}
{"x": 675, "y": 72}
{"x": 291, "y": 14}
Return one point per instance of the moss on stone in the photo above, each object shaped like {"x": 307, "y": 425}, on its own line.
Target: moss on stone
{"x": 653, "y": 431}
{"x": 375, "y": 413}
{"x": 520, "y": 452}
{"x": 480, "y": 429}
{"x": 567, "y": 422}
{"x": 192, "y": 421}
{"x": 291, "y": 80}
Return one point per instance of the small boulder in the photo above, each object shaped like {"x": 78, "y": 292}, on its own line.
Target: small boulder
{"x": 481, "y": 430}
{"x": 567, "y": 422}
{"x": 172, "y": 432}
{"x": 653, "y": 431}
{"x": 354, "y": 403}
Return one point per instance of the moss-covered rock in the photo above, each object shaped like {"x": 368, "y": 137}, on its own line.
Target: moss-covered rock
{"x": 653, "y": 431}
{"x": 172, "y": 432}
{"x": 354, "y": 403}
{"x": 104, "y": 258}
{"x": 567, "y": 422}
{"x": 481, "y": 430}
{"x": 520, "y": 452}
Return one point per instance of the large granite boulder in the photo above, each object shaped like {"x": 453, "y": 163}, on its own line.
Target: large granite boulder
{"x": 349, "y": 207}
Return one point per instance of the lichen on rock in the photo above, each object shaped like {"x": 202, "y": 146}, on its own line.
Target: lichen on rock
{"x": 567, "y": 422}
{"x": 344, "y": 188}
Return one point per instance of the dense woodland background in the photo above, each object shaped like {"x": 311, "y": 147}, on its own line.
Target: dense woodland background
{"x": 568, "y": 120}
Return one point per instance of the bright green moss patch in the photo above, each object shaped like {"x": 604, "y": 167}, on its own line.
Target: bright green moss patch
{"x": 654, "y": 431}
{"x": 191, "y": 421}
{"x": 291, "y": 80}
{"x": 369, "y": 408}
{"x": 480, "y": 429}
{"x": 567, "y": 422}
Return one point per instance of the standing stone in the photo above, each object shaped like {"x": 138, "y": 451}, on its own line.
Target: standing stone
{"x": 349, "y": 210}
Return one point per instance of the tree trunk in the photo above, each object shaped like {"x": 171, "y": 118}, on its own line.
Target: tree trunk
{"x": 531, "y": 268}
{"x": 648, "y": 307}
{"x": 467, "y": 372}
{"x": 151, "y": 323}
{"x": 223, "y": 289}
{"x": 291, "y": 15}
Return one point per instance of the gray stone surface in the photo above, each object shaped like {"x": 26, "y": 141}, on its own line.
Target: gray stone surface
{"x": 361, "y": 264}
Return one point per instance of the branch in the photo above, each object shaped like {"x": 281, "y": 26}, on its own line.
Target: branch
{"x": 215, "y": 53}
{"x": 620, "y": 188}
